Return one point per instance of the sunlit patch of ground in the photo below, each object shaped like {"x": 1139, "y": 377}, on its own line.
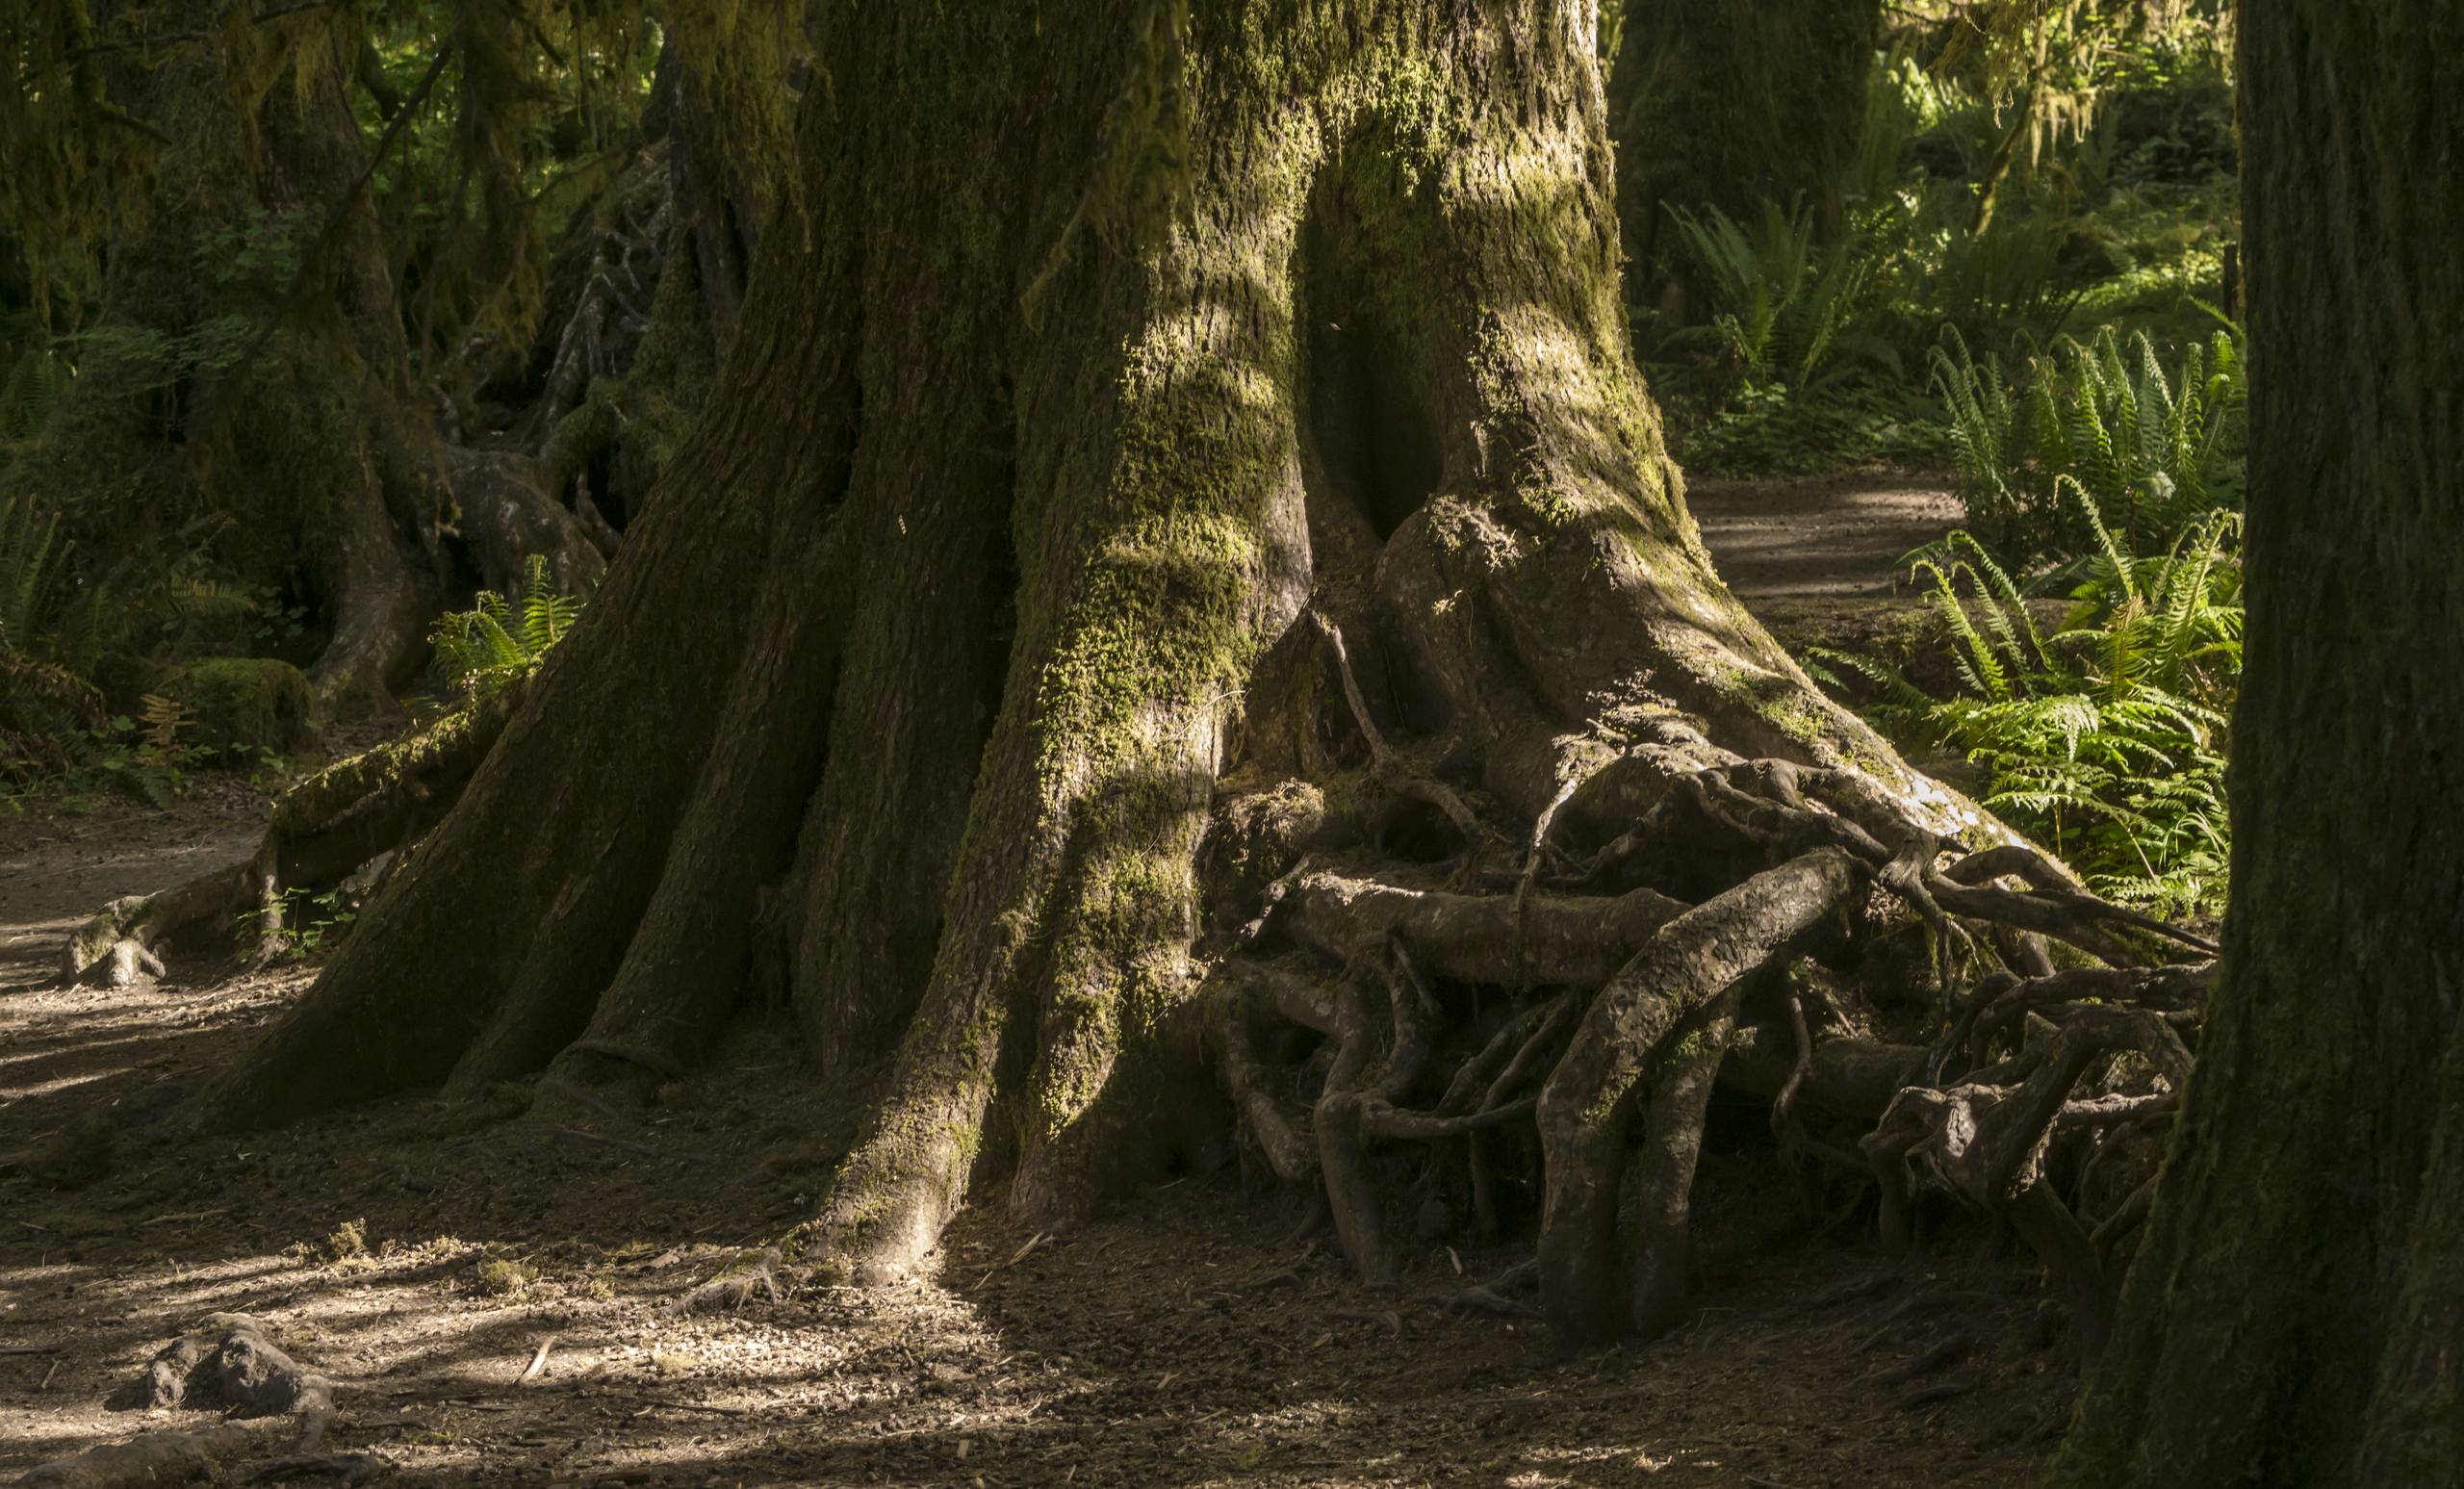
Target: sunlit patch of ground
{"x": 423, "y": 1256}
{"x": 1828, "y": 537}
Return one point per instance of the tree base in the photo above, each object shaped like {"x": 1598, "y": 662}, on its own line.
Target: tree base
{"x": 1219, "y": 659}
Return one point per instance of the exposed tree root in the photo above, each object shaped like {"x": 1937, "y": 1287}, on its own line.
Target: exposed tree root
{"x": 152, "y": 1458}
{"x": 1641, "y": 1003}
{"x": 321, "y": 832}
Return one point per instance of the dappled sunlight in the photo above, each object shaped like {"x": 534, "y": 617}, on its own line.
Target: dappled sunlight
{"x": 1167, "y": 855}
{"x": 1187, "y": 1344}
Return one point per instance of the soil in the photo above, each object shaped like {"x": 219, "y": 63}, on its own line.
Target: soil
{"x": 428, "y": 1257}
{"x": 1829, "y": 537}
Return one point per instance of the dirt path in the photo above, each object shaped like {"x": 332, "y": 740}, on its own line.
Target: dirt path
{"x": 58, "y": 868}
{"x": 1824, "y": 537}
{"x": 423, "y": 1256}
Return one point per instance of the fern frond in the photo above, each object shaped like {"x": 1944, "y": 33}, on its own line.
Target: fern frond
{"x": 482, "y": 649}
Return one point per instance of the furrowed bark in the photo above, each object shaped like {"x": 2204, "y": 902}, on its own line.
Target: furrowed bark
{"x": 572, "y": 827}
{"x": 2293, "y": 1314}
{"x": 686, "y": 965}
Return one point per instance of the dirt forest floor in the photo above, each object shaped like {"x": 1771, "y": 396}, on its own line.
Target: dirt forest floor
{"x": 492, "y": 1289}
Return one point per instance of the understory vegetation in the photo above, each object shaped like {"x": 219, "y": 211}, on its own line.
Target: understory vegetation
{"x": 2030, "y": 288}
{"x": 2101, "y": 486}
{"x": 496, "y": 642}
{"x": 1978, "y": 214}
{"x": 178, "y": 562}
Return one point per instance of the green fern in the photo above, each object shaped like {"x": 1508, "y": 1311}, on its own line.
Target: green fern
{"x": 2150, "y": 451}
{"x": 41, "y": 694}
{"x": 2106, "y": 736}
{"x": 498, "y": 641}
{"x": 1783, "y": 308}
{"x": 32, "y": 380}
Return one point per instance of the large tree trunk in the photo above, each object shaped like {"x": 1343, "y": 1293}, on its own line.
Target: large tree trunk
{"x": 1727, "y": 105}
{"x": 2297, "y": 1316}
{"x": 247, "y": 386}
{"x": 1189, "y": 467}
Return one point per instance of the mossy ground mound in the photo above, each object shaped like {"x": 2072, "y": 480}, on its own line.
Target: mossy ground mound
{"x": 242, "y": 704}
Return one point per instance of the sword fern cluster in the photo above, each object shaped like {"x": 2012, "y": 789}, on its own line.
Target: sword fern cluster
{"x": 2106, "y": 734}
{"x": 497, "y": 640}
{"x": 2151, "y": 452}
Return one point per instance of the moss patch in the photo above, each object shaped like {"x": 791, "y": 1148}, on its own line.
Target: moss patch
{"x": 241, "y": 704}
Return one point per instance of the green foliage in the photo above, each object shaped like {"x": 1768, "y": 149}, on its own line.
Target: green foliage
{"x": 2106, "y": 735}
{"x": 1763, "y": 428}
{"x": 33, "y": 375}
{"x": 43, "y": 695}
{"x": 56, "y": 729}
{"x": 2147, "y": 452}
{"x": 2107, "y": 163}
{"x": 499, "y": 641}
{"x": 1786, "y": 311}
{"x": 260, "y": 251}
{"x": 1809, "y": 341}
{"x": 313, "y": 922}
{"x": 142, "y": 358}
{"x": 239, "y": 706}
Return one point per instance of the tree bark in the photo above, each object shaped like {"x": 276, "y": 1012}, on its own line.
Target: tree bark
{"x": 2295, "y": 1313}
{"x": 1183, "y": 453}
{"x": 1721, "y": 104}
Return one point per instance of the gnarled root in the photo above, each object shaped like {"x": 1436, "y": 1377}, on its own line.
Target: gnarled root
{"x": 1596, "y": 1015}
{"x": 225, "y": 1364}
{"x": 321, "y": 830}
{"x": 1589, "y": 1100}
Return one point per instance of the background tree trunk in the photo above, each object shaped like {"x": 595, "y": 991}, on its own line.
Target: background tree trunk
{"x": 1719, "y": 104}
{"x": 2295, "y": 1315}
{"x": 1188, "y": 465}
{"x": 247, "y": 388}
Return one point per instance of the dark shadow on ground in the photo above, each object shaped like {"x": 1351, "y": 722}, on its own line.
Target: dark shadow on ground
{"x": 422, "y": 1255}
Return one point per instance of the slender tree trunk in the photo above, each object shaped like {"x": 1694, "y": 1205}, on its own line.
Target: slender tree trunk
{"x": 2297, "y": 1316}
{"x": 1191, "y": 466}
{"x": 1728, "y": 105}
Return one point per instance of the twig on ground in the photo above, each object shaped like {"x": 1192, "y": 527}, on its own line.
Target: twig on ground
{"x": 676, "y": 1406}
{"x": 1014, "y": 1257}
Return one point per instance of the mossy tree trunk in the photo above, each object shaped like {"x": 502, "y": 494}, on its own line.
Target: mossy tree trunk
{"x": 247, "y": 388}
{"x": 1714, "y": 103}
{"x": 2297, "y": 1315}
{"x": 1189, "y": 465}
